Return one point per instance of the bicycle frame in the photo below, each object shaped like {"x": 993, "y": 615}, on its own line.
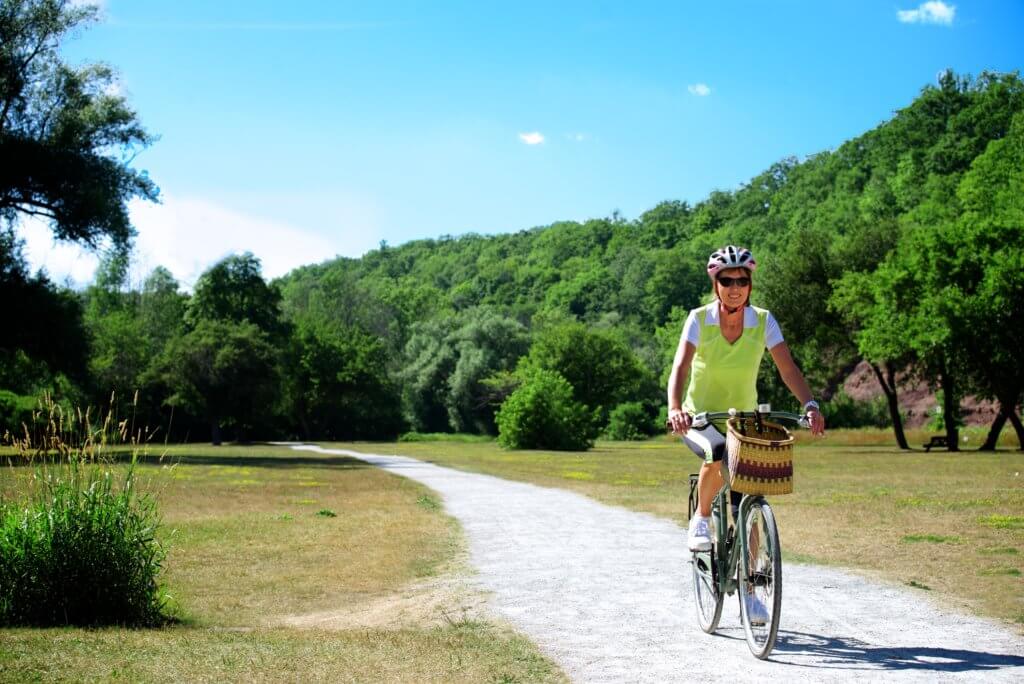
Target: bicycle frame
{"x": 728, "y": 562}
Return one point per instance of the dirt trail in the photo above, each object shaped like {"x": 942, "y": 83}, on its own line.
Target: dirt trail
{"x": 605, "y": 592}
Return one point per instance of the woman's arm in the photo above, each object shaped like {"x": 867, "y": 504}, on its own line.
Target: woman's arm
{"x": 679, "y": 419}
{"x": 796, "y": 383}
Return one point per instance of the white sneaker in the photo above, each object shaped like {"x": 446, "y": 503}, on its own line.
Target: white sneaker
{"x": 755, "y": 609}
{"x": 700, "y": 535}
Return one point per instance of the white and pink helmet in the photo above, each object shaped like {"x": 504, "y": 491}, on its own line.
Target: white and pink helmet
{"x": 730, "y": 256}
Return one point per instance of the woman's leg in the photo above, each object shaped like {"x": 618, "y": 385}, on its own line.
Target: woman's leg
{"x": 709, "y": 483}
{"x": 709, "y": 444}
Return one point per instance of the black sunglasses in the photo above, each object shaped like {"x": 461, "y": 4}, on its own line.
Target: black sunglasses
{"x": 726, "y": 281}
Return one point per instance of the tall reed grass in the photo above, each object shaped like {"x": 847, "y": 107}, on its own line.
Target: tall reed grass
{"x": 78, "y": 542}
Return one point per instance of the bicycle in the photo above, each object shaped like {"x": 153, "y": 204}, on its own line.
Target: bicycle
{"x": 754, "y": 565}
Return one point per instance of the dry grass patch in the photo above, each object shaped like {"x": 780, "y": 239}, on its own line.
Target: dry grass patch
{"x": 468, "y": 652}
{"x": 287, "y": 565}
{"x": 951, "y": 523}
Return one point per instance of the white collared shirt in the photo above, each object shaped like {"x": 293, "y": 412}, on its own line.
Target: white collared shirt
{"x": 691, "y": 331}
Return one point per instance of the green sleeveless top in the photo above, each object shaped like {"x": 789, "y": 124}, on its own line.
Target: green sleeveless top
{"x": 723, "y": 375}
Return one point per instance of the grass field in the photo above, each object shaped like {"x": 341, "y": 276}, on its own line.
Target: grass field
{"x": 290, "y": 566}
{"x": 948, "y": 525}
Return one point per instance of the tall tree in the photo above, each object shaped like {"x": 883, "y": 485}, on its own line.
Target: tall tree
{"x": 233, "y": 290}
{"x": 226, "y": 372}
{"x": 66, "y": 136}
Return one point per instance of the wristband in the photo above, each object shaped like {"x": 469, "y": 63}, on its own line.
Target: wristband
{"x": 811, "y": 405}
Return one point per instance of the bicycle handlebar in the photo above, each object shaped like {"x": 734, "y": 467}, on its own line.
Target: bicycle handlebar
{"x": 703, "y": 418}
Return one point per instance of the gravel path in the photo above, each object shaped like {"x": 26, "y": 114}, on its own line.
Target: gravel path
{"x": 605, "y": 592}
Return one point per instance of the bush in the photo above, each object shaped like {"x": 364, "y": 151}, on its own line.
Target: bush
{"x": 542, "y": 414}
{"x": 843, "y": 411}
{"x": 81, "y": 548}
{"x": 631, "y": 420}
{"x": 443, "y": 437}
{"x": 15, "y": 410}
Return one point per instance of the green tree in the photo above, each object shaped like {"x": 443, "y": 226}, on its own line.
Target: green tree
{"x": 486, "y": 344}
{"x": 226, "y": 372}
{"x": 990, "y": 237}
{"x": 542, "y": 414}
{"x": 69, "y": 138}
{"x": 161, "y": 309}
{"x": 447, "y": 363}
{"x": 44, "y": 342}
{"x": 337, "y": 386}
{"x": 233, "y": 290}
{"x": 600, "y": 368}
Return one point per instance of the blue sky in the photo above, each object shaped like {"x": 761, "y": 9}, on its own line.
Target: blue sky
{"x": 305, "y": 130}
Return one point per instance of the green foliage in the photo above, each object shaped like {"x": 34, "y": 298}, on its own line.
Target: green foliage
{"x": 599, "y": 367}
{"x": 629, "y": 421}
{"x": 71, "y": 135}
{"x": 234, "y": 290}
{"x": 843, "y": 411}
{"x": 442, "y": 437}
{"x": 448, "y": 362}
{"x": 43, "y": 332}
{"x": 15, "y": 411}
{"x": 542, "y": 414}
{"x": 226, "y": 372}
{"x": 338, "y": 388}
{"x": 83, "y": 553}
{"x": 80, "y": 548}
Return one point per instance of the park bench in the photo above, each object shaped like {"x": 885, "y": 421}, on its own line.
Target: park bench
{"x": 936, "y": 441}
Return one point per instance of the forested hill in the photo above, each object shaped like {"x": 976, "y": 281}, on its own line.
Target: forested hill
{"x": 903, "y": 247}
{"x": 881, "y": 203}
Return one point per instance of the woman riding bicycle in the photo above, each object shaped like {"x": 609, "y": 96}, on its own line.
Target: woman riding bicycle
{"x": 720, "y": 352}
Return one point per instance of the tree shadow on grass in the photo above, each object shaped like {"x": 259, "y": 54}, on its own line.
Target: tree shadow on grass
{"x": 853, "y": 654}
{"x": 204, "y": 458}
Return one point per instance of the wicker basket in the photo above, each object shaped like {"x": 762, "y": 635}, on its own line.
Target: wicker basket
{"x": 760, "y": 462}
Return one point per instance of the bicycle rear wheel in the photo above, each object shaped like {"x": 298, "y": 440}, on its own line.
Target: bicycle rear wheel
{"x": 760, "y": 578}
{"x": 706, "y": 595}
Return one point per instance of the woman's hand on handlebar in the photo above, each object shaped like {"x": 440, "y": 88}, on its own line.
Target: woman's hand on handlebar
{"x": 817, "y": 422}
{"x": 679, "y": 421}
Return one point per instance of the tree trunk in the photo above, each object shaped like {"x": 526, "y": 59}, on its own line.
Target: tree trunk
{"x": 950, "y": 410}
{"x": 1012, "y": 415}
{"x": 994, "y": 430}
{"x": 888, "y": 384}
{"x": 215, "y": 432}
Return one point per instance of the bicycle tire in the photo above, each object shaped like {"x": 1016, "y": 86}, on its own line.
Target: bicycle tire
{"x": 706, "y": 596}
{"x": 763, "y": 578}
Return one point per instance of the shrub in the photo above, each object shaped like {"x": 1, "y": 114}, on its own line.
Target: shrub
{"x": 15, "y": 410}
{"x": 843, "y": 411}
{"x": 542, "y": 414}
{"x": 631, "y": 420}
{"x": 81, "y": 547}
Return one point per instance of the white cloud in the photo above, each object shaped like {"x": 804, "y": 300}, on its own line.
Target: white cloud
{"x": 62, "y": 261}
{"x": 933, "y": 12}
{"x": 533, "y": 138}
{"x": 699, "y": 89}
{"x": 186, "y": 236}
{"x": 578, "y": 137}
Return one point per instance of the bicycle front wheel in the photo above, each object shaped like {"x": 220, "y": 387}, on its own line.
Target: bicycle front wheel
{"x": 760, "y": 579}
